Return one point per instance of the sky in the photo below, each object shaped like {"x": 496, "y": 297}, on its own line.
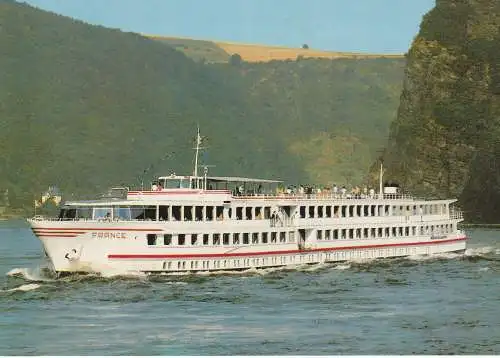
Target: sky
{"x": 369, "y": 26}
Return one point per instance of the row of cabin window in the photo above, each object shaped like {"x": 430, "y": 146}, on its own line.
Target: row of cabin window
{"x": 400, "y": 231}
{"x": 221, "y": 239}
{"x": 344, "y": 211}
{"x": 221, "y": 264}
{"x": 163, "y": 213}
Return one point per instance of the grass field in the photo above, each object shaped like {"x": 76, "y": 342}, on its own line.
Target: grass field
{"x": 218, "y": 51}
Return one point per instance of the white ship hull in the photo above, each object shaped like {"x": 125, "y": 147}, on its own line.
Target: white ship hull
{"x": 101, "y": 247}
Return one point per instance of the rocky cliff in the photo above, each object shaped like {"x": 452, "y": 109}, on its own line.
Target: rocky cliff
{"x": 444, "y": 141}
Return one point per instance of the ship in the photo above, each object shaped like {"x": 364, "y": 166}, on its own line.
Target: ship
{"x": 200, "y": 223}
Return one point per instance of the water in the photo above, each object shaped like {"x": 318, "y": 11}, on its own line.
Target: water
{"x": 440, "y": 305}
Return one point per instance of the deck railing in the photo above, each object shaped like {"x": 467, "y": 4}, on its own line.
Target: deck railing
{"x": 320, "y": 196}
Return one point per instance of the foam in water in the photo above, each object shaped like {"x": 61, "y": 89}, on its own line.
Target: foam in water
{"x": 30, "y": 274}
{"x": 24, "y": 288}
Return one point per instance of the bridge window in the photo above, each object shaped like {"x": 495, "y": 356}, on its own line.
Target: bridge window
{"x": 121, "y": 213}
{"x": 99, "y": 213}
{"x": 84, "y": 213}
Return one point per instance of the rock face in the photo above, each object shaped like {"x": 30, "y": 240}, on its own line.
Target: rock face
{"x": 445, "y": 140}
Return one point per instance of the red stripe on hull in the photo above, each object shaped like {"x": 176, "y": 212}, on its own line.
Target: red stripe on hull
{"x": 95, "y": 229}
{"x": 282, "y": 252}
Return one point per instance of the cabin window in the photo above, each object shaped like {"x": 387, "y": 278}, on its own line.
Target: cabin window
{"x": 181, "y": 239}
{"x": 387, "y": 232}
{"x": 210, "y": 213}
{"x": 246, "y": 238}
{"x": 176, "y": 213}
{"x": 198, "y": 213}
{"x": 248, "y": 213}
{"x": 302, "y": 212}
{"x": 167, "y": 239}
{"x": 151, "y": 239}
{"x": 319, "y": 235}
{"x": 255, "y": 238}
{"x": 188, "y": 213}
{"x": 365, "y": 233}
{"x": 101, "y": 213}
{"x": 327, "y": 234}
{"x": 194, "y": 239}
{"x": 394, "y": 232}
{"x": 230, "y": 213}
{"x": 205, "y": 239}
{"x": 236, "y": 238}
{"x": 358, "y": 233}
{"x": 358, "y": 210}
{"x": 311, "y": 211}
{"x": 258, "y": 213}
{"x": 351, "y": 233}
{"x": 351, "y": 211}
{"x": 373, "y": 232}
{"x": 163, "y": 212}
{"x": 267, "y": 212}
{"x": 328, "y": 211}
{"x": 225, "y": 239}
{"x": 274, "y": 236}
{"x": 320, "y": 211}
{"x": 239, "y": 213}
{"x": 264, "y": 237}
{"x": 216, "y": 239}
{"x": 84, "y": 213}
{"x": 291, "y": 236}
{"x": 121, "y": 213}
{"x": 335, "y": 234}
{"x": 150, "y": 213}
{"x": 219, "y": 212}
{"x": 407, "y": 231}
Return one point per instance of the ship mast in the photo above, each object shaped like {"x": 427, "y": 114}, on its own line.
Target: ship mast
{"x": 380, "y": 190}
{"x": 198, "y": 142}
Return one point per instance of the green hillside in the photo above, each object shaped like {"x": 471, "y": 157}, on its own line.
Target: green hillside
{"x": 84, "y": 108}
{"x": 445, "y": 139}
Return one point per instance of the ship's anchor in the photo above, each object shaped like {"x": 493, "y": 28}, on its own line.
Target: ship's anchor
{"x": 72, "y": 255}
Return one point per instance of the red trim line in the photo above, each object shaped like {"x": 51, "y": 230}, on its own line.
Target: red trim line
{"x": 281, "y": 252}
{"x": 95, "y": 229}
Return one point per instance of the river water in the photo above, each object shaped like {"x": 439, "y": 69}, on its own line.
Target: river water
{"x": 419, "y": 305}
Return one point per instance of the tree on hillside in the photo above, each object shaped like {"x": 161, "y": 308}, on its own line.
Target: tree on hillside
{"x": 305, "y": 46}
